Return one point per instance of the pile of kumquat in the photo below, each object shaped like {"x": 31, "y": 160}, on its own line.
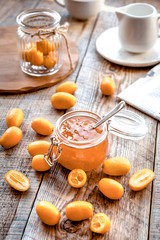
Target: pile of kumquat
{"x": 116, "y": 166}
{"x": 40, "y": 53}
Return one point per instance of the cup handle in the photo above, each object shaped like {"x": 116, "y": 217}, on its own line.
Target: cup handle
{"x": 61, "y": 3}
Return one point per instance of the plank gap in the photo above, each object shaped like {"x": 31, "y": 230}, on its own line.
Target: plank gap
{"x": 32, "y": 206}
{"x": 154, "y": 161}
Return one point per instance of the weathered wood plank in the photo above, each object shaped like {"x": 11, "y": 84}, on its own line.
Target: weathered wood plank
{"x": 154, "y": 230}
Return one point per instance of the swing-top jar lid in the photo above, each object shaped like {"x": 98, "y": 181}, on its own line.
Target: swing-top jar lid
{"x": 129, "y": 125}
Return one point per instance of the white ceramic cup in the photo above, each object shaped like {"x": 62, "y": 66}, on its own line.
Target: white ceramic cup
{"x": 138, "y": 27}
{"x": 82, "y": 9}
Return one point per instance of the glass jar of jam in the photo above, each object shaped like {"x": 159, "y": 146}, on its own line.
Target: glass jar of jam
{"x": 77, "y": 145}
{"x": 40, "y": 51}
{"x": 82, "y": 146}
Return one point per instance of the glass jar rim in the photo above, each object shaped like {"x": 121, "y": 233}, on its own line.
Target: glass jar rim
{"x": 80, "y": 144}
{"x": 33, "y": 13}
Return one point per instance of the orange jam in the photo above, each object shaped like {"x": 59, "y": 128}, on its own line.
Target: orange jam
{"x": 82, "y": 147}
{"x": 80, "y": 129}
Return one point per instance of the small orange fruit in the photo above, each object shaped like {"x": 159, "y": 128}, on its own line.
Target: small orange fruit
{"x": 25, "y": 53}
{"x": 35, "y": 57}
{"x": 79, "y": 210}
{"x": 38, "y": 147}
{"x": 44, "y": 46}
{"x": 69, "y": 87}
{"x": 141, "y": 179}
{"x": 39, "y": 163}
{"x": 42, "y": 126}
{"x": 111, "y": 188}
{"x": 63, "y": 100}
{"x": 14, "y": 117}
{"x": 11, "y": 137}
{"x": 77, "y": 178}
{"x": 116, "y": 166}
{"x": 100, "y": 223}
{"x": 17, "y": 180}
{"x": 48, "y": 213}
{"x": 107, "y": 86}
{"x": 49, "y": 61}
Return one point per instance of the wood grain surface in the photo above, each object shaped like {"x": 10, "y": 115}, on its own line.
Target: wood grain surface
{"x": 136, "y": 216}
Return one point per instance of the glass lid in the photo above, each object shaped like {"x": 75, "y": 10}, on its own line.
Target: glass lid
{"x": 129, "y": 125}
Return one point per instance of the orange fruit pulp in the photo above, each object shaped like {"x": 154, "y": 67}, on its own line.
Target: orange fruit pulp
{"x": 17, "y": 180}
{"x": 84, "y": 148}
{"x": 100, "y": 223}
{"x": 77, "y": 178}
{"x": 141, "y": 179}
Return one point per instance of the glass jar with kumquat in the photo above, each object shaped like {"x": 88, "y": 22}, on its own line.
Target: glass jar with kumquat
{"x": 39, "y": 44}
{"x": 77, "y": 145}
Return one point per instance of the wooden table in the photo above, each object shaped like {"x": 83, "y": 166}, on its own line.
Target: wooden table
{"x": 137, "y": 215}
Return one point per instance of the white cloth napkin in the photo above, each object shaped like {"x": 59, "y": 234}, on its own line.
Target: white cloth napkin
{"x": 144, "y": 94}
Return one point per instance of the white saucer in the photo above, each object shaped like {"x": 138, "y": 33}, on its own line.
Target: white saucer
{"x": 109, "y": 47}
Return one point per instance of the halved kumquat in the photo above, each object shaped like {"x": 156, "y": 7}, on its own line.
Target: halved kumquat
{"x": 141, "y": 179}
{"x": 77, "y": 178}
{"x": 100, "y": 223}
{"x": 17, "y": 180}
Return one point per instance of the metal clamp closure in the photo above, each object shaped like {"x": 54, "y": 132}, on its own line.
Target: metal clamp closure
{"x": 51, "y": 157}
